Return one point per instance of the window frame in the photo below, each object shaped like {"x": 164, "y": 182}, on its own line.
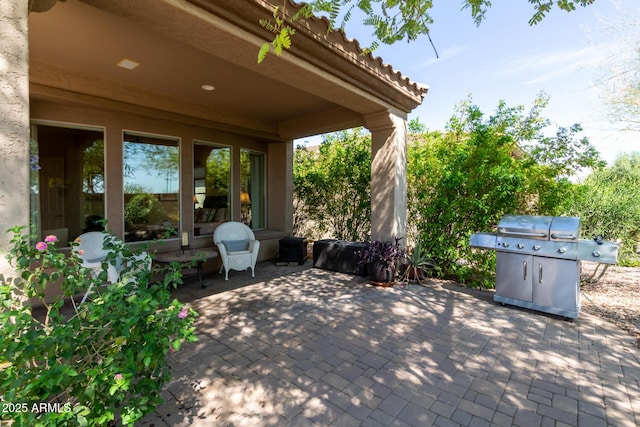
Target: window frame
{"x": 263, "y": 187}
{"x": 230, "y": 206}
{"x": 35, "y": 216}
{"x": 159, "y": 137}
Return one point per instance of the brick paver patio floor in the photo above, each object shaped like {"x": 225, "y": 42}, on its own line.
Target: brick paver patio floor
{"x": 298, "y": 346}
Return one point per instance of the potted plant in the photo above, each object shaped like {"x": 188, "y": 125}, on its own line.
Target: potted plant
{"x": 381, "y": 260}
{"x": 416, "y": 264}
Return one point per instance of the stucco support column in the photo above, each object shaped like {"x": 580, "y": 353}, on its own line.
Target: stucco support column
{"x": 280, "y": 186}
{"x": 14, "y": 120}
{"x": 388, "y": 175}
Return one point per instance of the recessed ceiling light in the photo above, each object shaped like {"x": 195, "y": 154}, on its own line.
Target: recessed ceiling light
{"x": 207, "y": 87}
{"x": 128, "y": 64}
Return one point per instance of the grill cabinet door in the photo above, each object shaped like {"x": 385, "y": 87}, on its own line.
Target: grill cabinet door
{"x": 556, "y": 283}
{"x": 513, "y": 276}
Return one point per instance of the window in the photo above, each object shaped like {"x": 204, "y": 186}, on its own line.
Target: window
{"x": 66, "y": 181}
{"x": 252, "y": 188}
{"x": 212, "y": 187}
{"x": 151, "y": 187}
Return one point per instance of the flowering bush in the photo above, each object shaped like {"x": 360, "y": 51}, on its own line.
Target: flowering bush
{"x": 96, "y": 363}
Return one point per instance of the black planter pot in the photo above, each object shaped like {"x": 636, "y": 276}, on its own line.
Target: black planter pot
{"x": 381, "y": 273}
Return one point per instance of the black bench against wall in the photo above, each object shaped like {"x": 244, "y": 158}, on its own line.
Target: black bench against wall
{"x": 338, "y": 255}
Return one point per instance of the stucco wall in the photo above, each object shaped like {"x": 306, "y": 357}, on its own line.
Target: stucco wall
{"x": 14, "y": 120}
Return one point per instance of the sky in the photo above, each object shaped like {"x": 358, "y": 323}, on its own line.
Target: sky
{"x": 506, "y": 59}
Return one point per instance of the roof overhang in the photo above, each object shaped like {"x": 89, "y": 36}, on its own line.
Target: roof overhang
{"x": 323, "y": 83}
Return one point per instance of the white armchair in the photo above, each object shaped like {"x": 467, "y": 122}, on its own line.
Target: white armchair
{"x": 238, "y": 247}
{"x": 90, "y": 248}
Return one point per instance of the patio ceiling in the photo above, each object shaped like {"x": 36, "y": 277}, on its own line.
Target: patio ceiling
{"x": 323, "y": 84}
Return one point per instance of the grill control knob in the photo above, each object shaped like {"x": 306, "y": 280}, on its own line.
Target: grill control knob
{"x": 536, "y": 247}
{"x": 505, "y": 244}
{"x": 595, "y": 253}
{"x": 562, "y": 250}
{"x": 520, "y": 245}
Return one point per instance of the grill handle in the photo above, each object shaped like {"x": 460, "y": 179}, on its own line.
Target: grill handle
{"x": 564, "y": 236}
{"x": 540, "y": 273}
{"x": 524, "y": 270}
{"x": 523, "y": 234}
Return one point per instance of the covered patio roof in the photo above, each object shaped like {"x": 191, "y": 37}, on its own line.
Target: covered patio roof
{"x": 324, "y": 83}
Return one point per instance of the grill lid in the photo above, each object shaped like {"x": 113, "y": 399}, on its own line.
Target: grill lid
{"x": 527, "y": 226}
{"x": 565, "y": 228}
{"x": 555, "y": 228}
{"x": 553, "y": 237}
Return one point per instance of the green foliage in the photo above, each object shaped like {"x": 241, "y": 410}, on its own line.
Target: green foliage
{"x": 102, "y": 362}
{"x": 144, "y": 209}
{"x": 218, "y": 170}
{"x": 282, "y": 32}
{"x": 93, "y": 167}
{"x": 608, "y": 204}
{"x": 543, "y": 7}
{"x": 332, "y": 187}
{"x": 390, "y": 20}
{"x": 464, "y": 180}
{"x": 557, "y": 159}
{"x": 416, "y": 264}
{"x": 458, "y": 184}
{"x": 416, "y": 126}
{"x": 399, "y": 20}
{"x": 563, "y": 154}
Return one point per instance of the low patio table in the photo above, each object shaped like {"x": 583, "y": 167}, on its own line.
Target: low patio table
{"x": 188, "y": 257}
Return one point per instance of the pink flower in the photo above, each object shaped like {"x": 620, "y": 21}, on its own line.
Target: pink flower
{"x": 171, "y": 349}
{"x": 41, "y": 246}
{"x": 51, "y": 239}
{"x": 80, "y": 252}
{"x": 117, "y": 377}
{"x": 183, "y": 313}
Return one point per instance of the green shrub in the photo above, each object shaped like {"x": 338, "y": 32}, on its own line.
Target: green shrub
{"x": 144, "y": 209}
{"x": 332, "y": 194}
{"x": 102, "y": 362}
{"x": 464, "y": 180}
{"x": 458, "y": 187}
{"x": 609, "y": 205}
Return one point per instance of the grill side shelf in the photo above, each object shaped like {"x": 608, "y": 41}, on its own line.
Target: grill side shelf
{"x": 605, "y": 253}
{"x": 483, "y": 240}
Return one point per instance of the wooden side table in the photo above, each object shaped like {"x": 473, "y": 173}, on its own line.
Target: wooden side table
{"x": 188, "y": 257}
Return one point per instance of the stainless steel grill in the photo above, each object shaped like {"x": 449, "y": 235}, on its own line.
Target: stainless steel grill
{"x": 538, "y": 261}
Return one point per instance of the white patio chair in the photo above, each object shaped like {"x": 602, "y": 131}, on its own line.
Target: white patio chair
{"x": 238, "y": 247}
{"x": 91, "y": 251}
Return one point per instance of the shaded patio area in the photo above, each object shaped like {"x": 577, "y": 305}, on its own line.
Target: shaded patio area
{"x": 306, "y": 347}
